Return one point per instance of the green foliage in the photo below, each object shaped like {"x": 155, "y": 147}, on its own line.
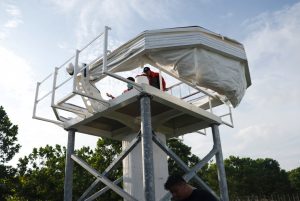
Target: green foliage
{"x": 184, "y": 153}
{"x": 41, "y": 174}
{"x": 246, "y": 176}
{"x": 8, "y": 138}
{"x": 294, "y": 177}
{"x": 8, "y": 148}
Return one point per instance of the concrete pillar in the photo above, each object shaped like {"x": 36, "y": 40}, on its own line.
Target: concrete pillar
{"x": 133, "y": 169}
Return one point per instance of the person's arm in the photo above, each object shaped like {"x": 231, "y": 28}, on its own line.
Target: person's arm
{"x": 109, "y": 95}
{"x": 163, "y": 84}
{"x": 143, "y": 74}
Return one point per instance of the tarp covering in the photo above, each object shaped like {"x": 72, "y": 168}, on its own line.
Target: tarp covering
{"x": 206, "y": 69}
{"x": 192, "y": 54}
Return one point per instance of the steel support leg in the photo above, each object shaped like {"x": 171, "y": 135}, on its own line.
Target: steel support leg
{"x": 220, "y": 164}
{"x": 68, "y": 186}
{"x": 147, "y": 148}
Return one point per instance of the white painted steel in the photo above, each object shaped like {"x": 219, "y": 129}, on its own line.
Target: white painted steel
{"x": 133, "y": 169}
{"x": 105, "y": 49}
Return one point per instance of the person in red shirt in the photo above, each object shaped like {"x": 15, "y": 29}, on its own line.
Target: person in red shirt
{"x": 153, "y": 78}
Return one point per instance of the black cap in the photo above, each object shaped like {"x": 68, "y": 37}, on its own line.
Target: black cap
{"x": 146, "y": 69}
{"x": 174, "y": 180}
{"x": 131, "y": 78}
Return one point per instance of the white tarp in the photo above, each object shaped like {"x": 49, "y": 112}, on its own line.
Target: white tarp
{"x": 190, "y": 53}
{"x": 206, "y": 69}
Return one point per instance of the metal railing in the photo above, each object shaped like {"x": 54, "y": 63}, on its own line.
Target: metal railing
{"x": 209, "y": 99}
{"x": 55, "y": 86}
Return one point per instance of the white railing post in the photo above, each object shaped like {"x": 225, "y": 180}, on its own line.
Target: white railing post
{"x": 35, "y": 99}
{"x": 75, "y": 70}
{"x": 53, "y": 92}
{"x": 104, "y": 67}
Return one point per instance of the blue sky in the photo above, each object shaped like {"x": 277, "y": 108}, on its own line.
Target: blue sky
{"x": 37, "y": 35}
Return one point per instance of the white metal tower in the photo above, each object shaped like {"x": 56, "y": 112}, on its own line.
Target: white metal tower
{"x": 213, "y": 71}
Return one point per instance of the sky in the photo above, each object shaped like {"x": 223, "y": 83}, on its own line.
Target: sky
{"x": 36, "y": 36}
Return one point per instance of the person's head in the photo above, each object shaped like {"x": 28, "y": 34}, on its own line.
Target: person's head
{"x": 147, "y": 71}
{"x": 129, "y": 86}
{"x": 178, "y": 187}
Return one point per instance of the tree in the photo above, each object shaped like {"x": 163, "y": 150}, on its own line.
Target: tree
{"x": 8, "y": 138}
{"x": 184, "y": 153}
{"x": 8, "y": 148}
{"x": 294, "y": 177}
{"x": 246, "y": 177}
{"x": 41, "y": 173}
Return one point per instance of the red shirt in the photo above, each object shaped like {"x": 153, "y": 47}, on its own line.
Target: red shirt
{"x": 154, "y": 80}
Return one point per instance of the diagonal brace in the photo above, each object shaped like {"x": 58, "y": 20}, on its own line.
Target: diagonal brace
{"x": 169, "y": 152}
{"x": 118, "y": 160}
{"x": 103, "y": 179}
{"x": 103, "y": 190}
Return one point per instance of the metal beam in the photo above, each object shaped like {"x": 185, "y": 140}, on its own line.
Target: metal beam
{"x": 164, "y": 117}
{"x": 199, "y": 165}
{"x": 68, "y": 185}
{"x": 103, "y": 190}
{"x": 147, "y": 148}
{"x": 220, "y": 164}
{"x": 182, "y": 165}
{"x": 127, "y": 120}
{"x": 118, "y": 160}
{"x": 103, "y": 179}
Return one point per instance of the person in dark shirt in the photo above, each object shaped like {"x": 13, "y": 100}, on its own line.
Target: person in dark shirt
{"x": 153, "y": 78}
{"x": 182, "y": 191}
{"x": 129, "y": 87}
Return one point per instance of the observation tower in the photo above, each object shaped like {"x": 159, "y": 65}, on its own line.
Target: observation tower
{"x": 206, "y": 74}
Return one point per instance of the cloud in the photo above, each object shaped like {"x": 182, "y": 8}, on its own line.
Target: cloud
{"x": 17, "y": 89}
{"x": 228, "y": 15}
{"x": 14, "y": 19}
{"x": 65, "y": 5}
{"x": 12, "y": 23}
{"x": 17, "y": 70}
{"x": 3, "y": 35}
{"x": 273, "y": 57}
{"x": 122, "y": 16}
{"x": 13, "y": 11}
{"x": 267, "y": 118}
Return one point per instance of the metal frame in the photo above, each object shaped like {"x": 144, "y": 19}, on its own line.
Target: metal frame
{"x": 101, "y": 177}
{"x": 54, "y": 106}
{"x": 147, "y": 148}
{"x": 146, "y": 136}
{"x": 68, "y": 185}
{"x": 191, "y": 173}
{"x": 96, "y": 101}
{"x": 206, "y": 94}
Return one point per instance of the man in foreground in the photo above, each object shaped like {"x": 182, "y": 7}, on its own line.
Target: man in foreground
{"x": 182, "y": 191}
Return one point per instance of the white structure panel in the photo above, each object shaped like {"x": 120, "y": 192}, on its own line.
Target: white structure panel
{"x": 133, "y": 169}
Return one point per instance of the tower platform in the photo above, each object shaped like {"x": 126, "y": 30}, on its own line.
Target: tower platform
{"x": 170, "y": 115}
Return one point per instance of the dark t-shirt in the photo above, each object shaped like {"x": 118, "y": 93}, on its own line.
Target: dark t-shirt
{"x": 200, "y": 195}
